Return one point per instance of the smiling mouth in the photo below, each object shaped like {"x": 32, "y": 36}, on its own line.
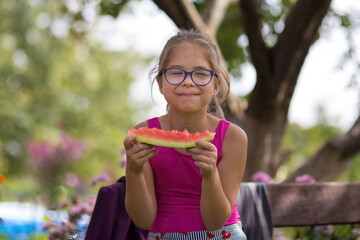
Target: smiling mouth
{"x": 188, "y": 94}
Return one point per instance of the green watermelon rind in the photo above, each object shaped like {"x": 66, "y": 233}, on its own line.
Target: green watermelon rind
{"x": 168, "y": 143}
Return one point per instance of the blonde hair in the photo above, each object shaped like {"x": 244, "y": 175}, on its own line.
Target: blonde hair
{"x": 215, "y": 60}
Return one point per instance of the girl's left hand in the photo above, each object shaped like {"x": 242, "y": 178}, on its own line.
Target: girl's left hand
{"x": 205, "y": 157}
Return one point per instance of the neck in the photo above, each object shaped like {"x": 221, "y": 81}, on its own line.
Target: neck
{"x": 197, "y": 122}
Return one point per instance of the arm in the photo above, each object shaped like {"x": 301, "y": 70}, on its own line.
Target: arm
{"x": 221, "y": 184}
{"x": 140, "y": 201}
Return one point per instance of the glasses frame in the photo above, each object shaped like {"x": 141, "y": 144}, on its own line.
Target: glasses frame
{"x": 212, "y": 73}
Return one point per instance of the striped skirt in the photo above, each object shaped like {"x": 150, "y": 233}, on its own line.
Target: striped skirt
{"x": 230, "y": 232}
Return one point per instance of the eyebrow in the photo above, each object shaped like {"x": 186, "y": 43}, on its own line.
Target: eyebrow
{"x": 181, "y": 67}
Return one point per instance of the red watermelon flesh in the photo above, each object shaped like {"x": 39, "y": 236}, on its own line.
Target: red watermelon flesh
{"x": 174, "y": 138}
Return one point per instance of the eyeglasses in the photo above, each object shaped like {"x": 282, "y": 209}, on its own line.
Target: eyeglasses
{"x": 200, "y": 77}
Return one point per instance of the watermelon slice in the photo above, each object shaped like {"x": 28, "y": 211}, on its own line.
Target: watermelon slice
{"x": 173, "y": 139}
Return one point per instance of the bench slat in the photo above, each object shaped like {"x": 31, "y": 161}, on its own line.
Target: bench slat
{"x": 295, "y": 204}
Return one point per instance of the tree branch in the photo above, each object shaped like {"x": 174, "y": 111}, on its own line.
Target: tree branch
{"x": 194, "y": 16}
{"x": 185, "y": 15}
{"x": 216, "y": 14}
{"x": 351, "y": 142}
{"x": 333, "y": 157}
{"x": 301, "y": 30}
{"x": 176, "y": 12}
{"x": 252, "y": 24}
{"x": 278, "y": 69}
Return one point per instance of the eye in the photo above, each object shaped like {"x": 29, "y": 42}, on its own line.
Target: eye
{"x": 175, "y": 72}
{"x": 202, "y": 73}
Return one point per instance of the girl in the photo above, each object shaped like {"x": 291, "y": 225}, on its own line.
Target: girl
{"x": 188, "y": 193}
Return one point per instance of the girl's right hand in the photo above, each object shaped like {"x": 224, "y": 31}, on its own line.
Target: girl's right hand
{"x": 137, "y": 154}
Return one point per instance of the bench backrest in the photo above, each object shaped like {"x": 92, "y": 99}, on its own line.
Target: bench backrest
{"x": 295, "y": 204}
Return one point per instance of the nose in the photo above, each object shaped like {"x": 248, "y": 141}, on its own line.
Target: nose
{"x": 188, "y": 80}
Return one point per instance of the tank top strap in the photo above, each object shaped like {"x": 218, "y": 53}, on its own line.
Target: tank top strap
{"x": 219, "y": 136}
{"x": 154, "y": 123}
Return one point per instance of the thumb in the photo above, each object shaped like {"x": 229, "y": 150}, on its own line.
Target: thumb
{"x": 129, "y": 141}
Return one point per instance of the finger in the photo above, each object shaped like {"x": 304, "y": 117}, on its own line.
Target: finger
{"x": 152, "y": 153}
{"x": 147, "y": 156}
{"x": 205, "y": 145}
{"x": 203, "y": 158}
{"x": 138, "y": 147}
{"x": 205, "y": 168}
{"x": 206, "y": 149}
{"x": 144, "y": 153}
{"x": 129, "y": 141}
{"x": 201, "y": 165}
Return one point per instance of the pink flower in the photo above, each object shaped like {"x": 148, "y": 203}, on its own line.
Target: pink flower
{"x": 279, "y": 235}
{"x": 328, "y": 229}
{"x": 48, "y": 225}
{"x": 63, "y": 204}
{"x": 78, "y": 210}
{"x": 91, "y": 201}
{"x": 123, "y": 158}
{"x": 73, "y": 148}
{"x": 41, "y": 153}
{"x": 73, "y": 180}
{"x": 99, "y": 178}
{"x": 306, "y": 178}
{"x": 69, "y": 225}
{"x": 45, "y": 154}
{"x": 261, "y": 177}
{"x": 63, "y": 231}
{"x": 356, "y": 231}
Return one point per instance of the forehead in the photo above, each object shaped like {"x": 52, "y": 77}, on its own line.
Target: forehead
{"x": 189, "y": 54}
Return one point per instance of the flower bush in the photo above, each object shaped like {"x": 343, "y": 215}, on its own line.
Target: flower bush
{"x": 306, "y": 178}
{"x": 52, "y": 161}
{"x": 73, "y": 224}
{"x": 328, "y": 232}
{"x": 261, "y": 177}
{"x": 123, "y": 158}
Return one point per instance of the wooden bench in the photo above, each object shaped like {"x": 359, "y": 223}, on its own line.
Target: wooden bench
{"x": 295, "y": 204}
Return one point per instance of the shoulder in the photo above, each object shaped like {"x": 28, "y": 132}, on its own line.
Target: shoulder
{"x": 142, "y": 124}
{"x": 235, "y": 136}
{"x": 151, "y": 122}
{"x": 234, "y": 151}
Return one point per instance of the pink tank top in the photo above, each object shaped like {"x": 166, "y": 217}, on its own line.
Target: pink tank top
{"x": 178, "y": 187}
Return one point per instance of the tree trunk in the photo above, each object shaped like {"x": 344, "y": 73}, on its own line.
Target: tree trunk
{"x": 264, "y": 117}
{"x": 277, "y": 71}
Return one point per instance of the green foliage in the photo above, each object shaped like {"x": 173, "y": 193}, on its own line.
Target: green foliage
{"x": 113, "y": 7}
{"x": 328, "y": 232}
{"x": 351, "y": 174}
{"x": 36, "y": 236}
{"x": 52, "y": 81}
{"x": 228, "y": 34}
{"x": 54, "y": 77}
{"x": 303, "y": 143}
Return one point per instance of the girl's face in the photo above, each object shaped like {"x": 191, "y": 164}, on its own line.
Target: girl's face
{"x": 187, "y": 96}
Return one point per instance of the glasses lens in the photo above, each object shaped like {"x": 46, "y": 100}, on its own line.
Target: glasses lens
{"x": 174, "y": 76}
{"x": 202, "y": 77}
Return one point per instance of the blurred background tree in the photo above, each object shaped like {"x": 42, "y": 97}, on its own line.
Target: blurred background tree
{"x": 54, "y": 79}
{"x": 275, "y": 37}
